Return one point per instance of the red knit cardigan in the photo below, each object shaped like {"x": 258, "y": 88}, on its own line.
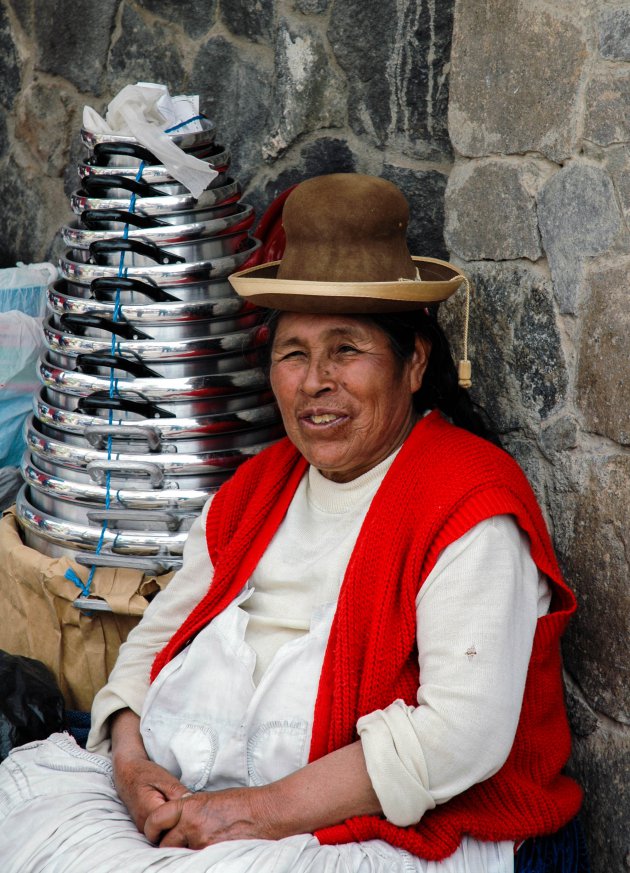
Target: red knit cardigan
{"x": 442, "y": 483}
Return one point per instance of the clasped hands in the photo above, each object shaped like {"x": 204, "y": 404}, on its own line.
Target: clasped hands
{"x": 170, "y": 815}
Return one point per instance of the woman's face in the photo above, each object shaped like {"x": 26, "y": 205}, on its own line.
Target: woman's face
{"x": 345, "y": 399}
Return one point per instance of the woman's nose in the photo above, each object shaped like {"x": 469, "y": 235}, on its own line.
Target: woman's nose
{"x": 318, "y": 376}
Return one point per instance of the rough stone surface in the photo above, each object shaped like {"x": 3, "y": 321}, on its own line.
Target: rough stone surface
{"x": 578, "y": 218}
{"x": 614, "y": 34}
{"x": 491, "y": 210}
{"x": 604, "y": 353}
{"x": 239, "y": 105}
{"x": 326, "y": 155}
{"x": 513, "y": 94}
{"x": 38, "y": 100}
{"x": 21, "y": 225}
{"x": 311, "y": 7}
{"x": 253, "y": 19}
{"x": 4, "y": 135}
{"x": 308, "y": 95}
{"x": 601, "y": 763}
{"x": 73, "y": 44}
{"x": 398, "y": 81}
{"x": 519, "y": 369}
{"x": 196, "y": 17}
{"x": 9, "y": 64}
{"x": 608, "y": 107}
{"x": 593, "y": 545}
{"x": 146, "y": 52}
{"x": 424, "y": 191}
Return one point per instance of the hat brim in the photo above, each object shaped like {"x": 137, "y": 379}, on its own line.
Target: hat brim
{"x": 259, "y": 285}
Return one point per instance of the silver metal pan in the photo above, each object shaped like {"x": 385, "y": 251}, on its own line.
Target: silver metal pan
{"x": 163, "y": 274}
{"x": 158, "y": 428}
{"x": 185, "y": 139}
{"x": 141, "y": 292}
{"x": 74, "y": 535}
{"x": 156, "y": 204}
{"x": 172, "y": 320}
{"x": 194, "y": 389}
{"x": 144, "y": 169}
{"x": 104, "y": 224}
{"x": 137, "y": 251}
{"x": 189, "y": 500}
{"x": 71, "y": 338}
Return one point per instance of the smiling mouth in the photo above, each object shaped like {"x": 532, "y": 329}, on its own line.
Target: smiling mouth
{"x": 324, "y": 418}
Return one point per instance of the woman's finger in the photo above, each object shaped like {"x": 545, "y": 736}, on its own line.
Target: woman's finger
{"x": 162, "y": 819}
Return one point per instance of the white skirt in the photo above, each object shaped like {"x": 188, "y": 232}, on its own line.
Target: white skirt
{"x": 59, "y": 813}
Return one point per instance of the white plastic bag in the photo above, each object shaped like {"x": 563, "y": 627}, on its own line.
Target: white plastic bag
{"x": 145, "y": 111}
{"x": 24, "y": 286}
{"x": 21, "y": 343}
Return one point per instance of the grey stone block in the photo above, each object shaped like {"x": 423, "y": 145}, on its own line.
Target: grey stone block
{"x": 515, "y": 80}
{"x": 62, "y": 111}
{"x": 320, "y": 157}
{"x": 22, "y": 226}
{"x": 9, "y": 63}
{"x": 253, "y": 19}
{"x": 395, "y": 56}
{"x": 195, "y": 17}
{"x": 614, "y": 34}
{"x": 4, "y": 134}
{"x": 519, "y": 370}
{"x": 578, "y": 218}
{"x": 73, "y": 42}
{"x": 607, "y": 100}
{"x": 146, "y": 52}
{"x": 424, "y": 190}
{"x": 236, "y": 94}
{"x": 591, "y": 536}
{"x": 311, "y": 7}
{"x": 491, "y": 210}
{"x": 604, "y": 353}
{"x": 308, "y": 93}
{"x": 601, "y": 763}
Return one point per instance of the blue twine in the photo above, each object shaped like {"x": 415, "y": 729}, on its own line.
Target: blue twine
{"x": 562, "y": 852}
{"x": 70, "y": 574}
{"x": 183, "y": 123}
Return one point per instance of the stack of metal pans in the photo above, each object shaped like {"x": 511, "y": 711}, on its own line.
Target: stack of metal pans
{"x": 152, "y": 393}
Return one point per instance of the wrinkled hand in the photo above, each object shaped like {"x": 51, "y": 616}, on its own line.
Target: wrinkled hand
{"x": 144, "y": 787}
{"x": 201, "y": 819}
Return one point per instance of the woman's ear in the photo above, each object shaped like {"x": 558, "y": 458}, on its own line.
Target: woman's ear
{"x": 419, "y": 361}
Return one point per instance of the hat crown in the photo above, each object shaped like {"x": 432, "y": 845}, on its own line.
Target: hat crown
{"x": 346, "y": 227}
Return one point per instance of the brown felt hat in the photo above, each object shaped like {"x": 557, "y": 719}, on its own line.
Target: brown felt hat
{"x": 346, "y": 252}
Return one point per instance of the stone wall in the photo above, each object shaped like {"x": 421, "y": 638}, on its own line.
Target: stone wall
{"x": 296, "y": 88}
{"x": 537, "y": 208}
{"x": 522, "y": 175}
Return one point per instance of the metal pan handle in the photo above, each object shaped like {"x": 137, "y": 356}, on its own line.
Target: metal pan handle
{"x": 99, "y": 185}
{"x": 98, "y": 434}
{"x": 116, "y": 517}
{"x": 105, "y": 287}
{"x": 89, "y": 361}
{"x": 98, "y": 470}
{"x": 78, "y": 321}
{"x": 117, "y": 149}
{"x": 137, "y": 247}
{"x": 95, "y": 218}
{"x": 153, "y": 566}
{"x": 102, "y": 400}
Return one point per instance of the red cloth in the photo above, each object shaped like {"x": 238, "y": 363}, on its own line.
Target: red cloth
{"x": 442, "y": 483}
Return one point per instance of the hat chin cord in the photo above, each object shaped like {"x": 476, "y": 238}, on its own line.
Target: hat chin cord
{"x": 464, "y": 368}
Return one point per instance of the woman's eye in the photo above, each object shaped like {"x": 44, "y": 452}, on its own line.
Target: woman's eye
{"x": 344, "y": 350}
{"x": 292, "y": 355}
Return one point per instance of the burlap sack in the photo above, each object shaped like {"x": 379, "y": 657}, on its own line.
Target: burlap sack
{"x": 37, "y": 618}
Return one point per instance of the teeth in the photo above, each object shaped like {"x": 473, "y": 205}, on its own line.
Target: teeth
{"x": 323, "y": 419}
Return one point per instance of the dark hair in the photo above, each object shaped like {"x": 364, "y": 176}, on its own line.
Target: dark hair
{"x": 440, "y": 387}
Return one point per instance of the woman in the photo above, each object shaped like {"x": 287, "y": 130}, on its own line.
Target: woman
{"x": 357, "y": 667}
